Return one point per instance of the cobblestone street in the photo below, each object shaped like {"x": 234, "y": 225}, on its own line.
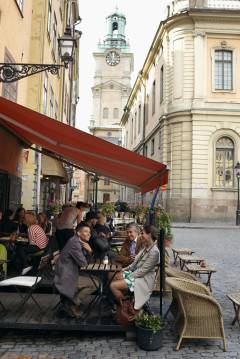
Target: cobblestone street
{"x": 220, "y": 247}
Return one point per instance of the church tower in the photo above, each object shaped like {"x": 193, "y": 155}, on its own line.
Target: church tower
{"x": 111, "y": 89}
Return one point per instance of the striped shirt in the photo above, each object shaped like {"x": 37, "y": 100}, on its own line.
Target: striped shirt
{"x": 37, "y": 237}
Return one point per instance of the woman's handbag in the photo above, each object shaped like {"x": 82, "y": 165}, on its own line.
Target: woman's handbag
{"x": 125, "y": 312}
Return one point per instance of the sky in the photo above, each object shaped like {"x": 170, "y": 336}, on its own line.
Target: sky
{"x": 143, "y": 18}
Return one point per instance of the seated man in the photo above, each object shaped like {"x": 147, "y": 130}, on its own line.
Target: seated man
{"x": 72, "y": 284}
{"x": 131, "y": 247}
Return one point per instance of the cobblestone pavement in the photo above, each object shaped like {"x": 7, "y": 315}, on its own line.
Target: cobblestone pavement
{"x": 220, "y": 247}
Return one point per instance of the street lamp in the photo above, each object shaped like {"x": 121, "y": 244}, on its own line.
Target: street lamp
{"x": 66, "y": 45}
{"x": 237, "y": 168}
{"x": 11, "y": 72}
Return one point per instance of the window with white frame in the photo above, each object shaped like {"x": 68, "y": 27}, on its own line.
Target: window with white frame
{"x": 152, "y": 146}
{"x": 146, "y": 109}
{"x": 54, "y": 37}
{"x": 20, "y": 4}
{"x": 135, "y": 124}
{"x": 223, "y": 69}
{"x": 160, "y": 139}
{"x": 139, "y": 118}
{"x": 56, "y": 110}
{"x": 115, "y": 113}
{"x": 224, "y": 163}
{"x": 51, "y": 109}
{"x": 132, "y": 132}
{"x": 49, "y": 19}
{"x": 105, "y": 113}
{"x": 161, "y": 84}
{"x": 45, "y": 93}
{"x": 153, "y": 96}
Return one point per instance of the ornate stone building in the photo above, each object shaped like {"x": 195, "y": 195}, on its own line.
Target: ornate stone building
{"x": 111, "y": 89}
{"x": 184, "y": 109}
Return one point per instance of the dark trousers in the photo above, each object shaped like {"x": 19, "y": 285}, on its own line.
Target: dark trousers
{"x": 22, "y": 255}
{"x": 63, "y": 235}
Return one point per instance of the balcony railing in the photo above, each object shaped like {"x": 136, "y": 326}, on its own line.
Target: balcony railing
{"x": 180, "y": 5}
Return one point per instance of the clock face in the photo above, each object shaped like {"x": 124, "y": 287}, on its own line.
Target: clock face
{"x": 112, "y": 58}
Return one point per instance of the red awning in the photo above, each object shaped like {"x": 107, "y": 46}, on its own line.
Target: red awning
{"x": 82, "y": 149}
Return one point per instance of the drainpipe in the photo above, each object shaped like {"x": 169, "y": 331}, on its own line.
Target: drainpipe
{"x": 143, "y": 81}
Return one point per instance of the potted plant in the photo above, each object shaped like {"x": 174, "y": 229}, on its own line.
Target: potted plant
{"x": 54, "y": 207}
{"x": 140, "y": 212}
{"x": 107, "y": 209}
{"x": 121, "y": 208}
{"x": 149, "y": 330}
{"x": 163, "y": 220}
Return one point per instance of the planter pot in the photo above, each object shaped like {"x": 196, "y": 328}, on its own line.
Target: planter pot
{"x": 147, "y": 340}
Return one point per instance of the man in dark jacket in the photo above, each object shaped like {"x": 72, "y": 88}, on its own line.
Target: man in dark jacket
{"x": 69, "y": 281}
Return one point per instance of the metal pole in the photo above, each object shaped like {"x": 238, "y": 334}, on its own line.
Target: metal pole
{"x": 162, "y": 266}
{"x": 96, "y": 179}
{"x": 238, "y": 204}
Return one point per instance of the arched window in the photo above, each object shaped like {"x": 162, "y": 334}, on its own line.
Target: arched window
{"x": 105, "y": 112}
{"x": 224, "y": 162}
{"x": 115, "y": 113}
{"x": 115, "y": 27}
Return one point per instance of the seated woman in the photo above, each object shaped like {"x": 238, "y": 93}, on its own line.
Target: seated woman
{"x": 44, "y": 222}
{"x": 38, "y": 241}
{"x": 139, "y": 276}
{"x": 19, "y": 220}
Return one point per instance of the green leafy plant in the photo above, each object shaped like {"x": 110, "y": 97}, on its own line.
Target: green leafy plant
{"x": 162, "y": 220}
{"x": 121, "y": 206}
{"x": 152, "y": 322}
{"x": 107, "y": 209}
{"x": 54, "y": 206}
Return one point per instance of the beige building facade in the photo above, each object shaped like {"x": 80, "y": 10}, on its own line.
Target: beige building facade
{"x": 45, "y": 179}
{"x": 15, "y": 27}
{"x": 184, "y": 109}
{"x": 112, "y": 86}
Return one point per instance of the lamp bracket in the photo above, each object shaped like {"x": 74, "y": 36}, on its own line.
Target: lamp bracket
{"x": 11, "y": 72}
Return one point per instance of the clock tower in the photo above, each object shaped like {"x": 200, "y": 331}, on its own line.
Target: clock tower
{"x": 110, "y": 91}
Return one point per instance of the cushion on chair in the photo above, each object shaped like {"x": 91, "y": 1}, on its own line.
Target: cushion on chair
{"x": 21, "y": 281}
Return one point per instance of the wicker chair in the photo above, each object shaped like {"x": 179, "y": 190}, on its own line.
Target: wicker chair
{"x": 200, "y": 315}
{"x": 173, "y": 272}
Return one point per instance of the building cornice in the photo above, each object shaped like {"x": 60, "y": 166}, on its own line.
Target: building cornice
{"x": 191, "y": 14}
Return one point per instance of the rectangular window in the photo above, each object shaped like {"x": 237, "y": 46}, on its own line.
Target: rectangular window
{"x": 135, "y": 125}
{"x": 160, "y": 139}
{"x": 106, "y": 197}
{"x": 146, "y": 109}
{"x": 106, "y": 182}
{"x": 153, "y": 97}
{"x": 223, "y": 70}
{"x": 152, "y": 146}
{"x": 51, "y": 113}
{"x": 54, "y": 37}
{"x": 132, "y": 132}
{"x": 49, "y": 20}
{"x": 9, "y": 90}
{"x": 56, "y": 110}
{"x": 65, "y": 101}
{"x": 45, "y": 93}
{"x": 20, "y": 5}
{"x": 139, "y": 118}
{"x": 161, "y": 84}
{"x": 146, "y": 150}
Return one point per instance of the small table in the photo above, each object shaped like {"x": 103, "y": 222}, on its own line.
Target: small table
{"x": 197, "y": 269}
{"x": 100, "y": 269}
{"x": 185, "y": 258}
{"x": 177, "y": 251}
{"x": 235, "y": 299}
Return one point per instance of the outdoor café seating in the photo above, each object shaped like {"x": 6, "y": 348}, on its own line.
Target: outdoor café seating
{"x": 199, "y": 316}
